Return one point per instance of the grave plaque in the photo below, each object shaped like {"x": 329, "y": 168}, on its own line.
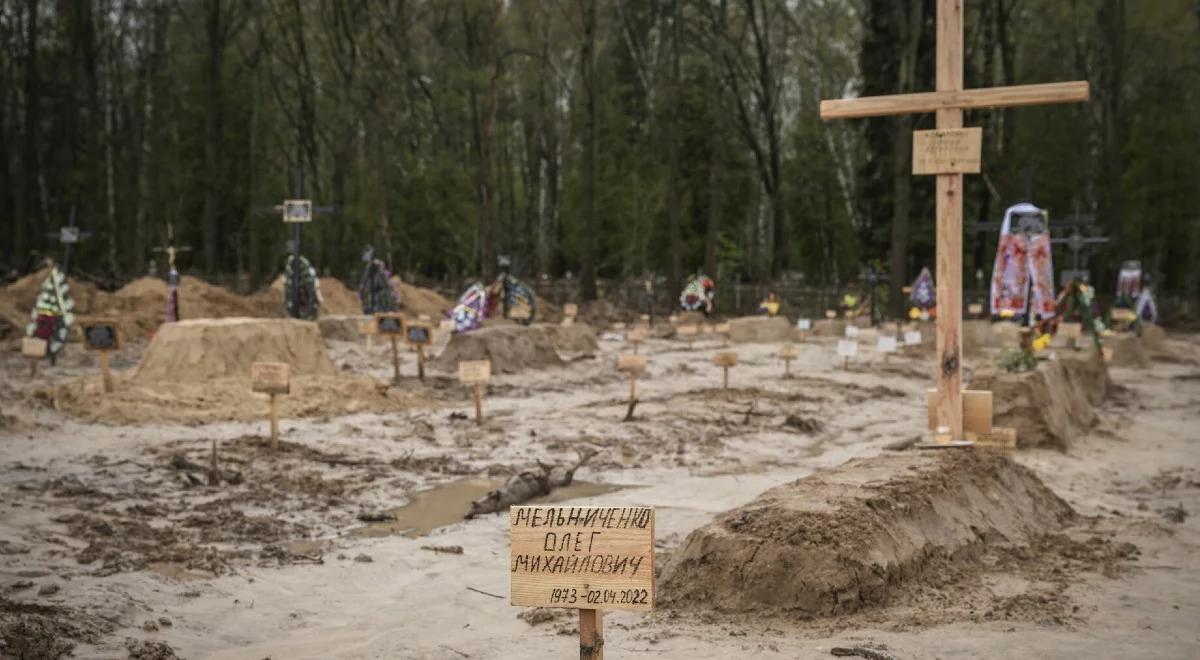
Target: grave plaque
{"x": 520, "y": 312}
{"x": 297, "y": 210}
{"x": 389, "y": 324}
{"x": 419, "y": 333}
{"x": 804, "y": 325}
{"x": 830, "y": 314}
{"x": 631, "y": 363}
{"x": 789, "y": 353}
{"x": 271, "y": 377}
{"x": 688, "y": 332}
{"x": 101, "y": 335}
{"x": 975, "y": 309}
{"x": 726, "y": 359}
{"x": 912, "y": 338}
{"x": 474, "y": 372}
{"x": 947, "y": 151}
{"x": 592, "y": 558}
{"x": 847, "y": 348}
{"x": 887, "y": 345}
{"x": 570, "y": 310}
{"x": 851, "y": 331}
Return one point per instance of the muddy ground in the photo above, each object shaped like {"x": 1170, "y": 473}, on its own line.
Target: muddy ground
{"x": 115, "y": 544}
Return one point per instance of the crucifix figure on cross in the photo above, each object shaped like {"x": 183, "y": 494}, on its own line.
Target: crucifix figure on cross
{"x": 949, "y": 152}
{"x": 171, "y": 250}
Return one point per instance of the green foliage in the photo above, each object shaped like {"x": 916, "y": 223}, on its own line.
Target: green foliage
{"x": 1016, "y": 360}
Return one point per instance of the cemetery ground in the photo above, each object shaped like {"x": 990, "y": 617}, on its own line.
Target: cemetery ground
{"x": 118, "y": 538}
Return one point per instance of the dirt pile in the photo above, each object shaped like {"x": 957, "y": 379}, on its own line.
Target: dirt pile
{"x": 1154, "y": 338}
{"x": 338, "y": 299}
{"x": 1128, "y": 350}
{"x": 829, "y": 328}
{"x": 761, "y": 329}
{"x": 511, "y": 348}
{"x": 578, "y": 337}
{"x": 852, "y": 537}
{"x": 415, "y": 300}
{"x": 1051, "y": 405}
{"x": 342, "y": 327}
{"x": 200, "y": 350}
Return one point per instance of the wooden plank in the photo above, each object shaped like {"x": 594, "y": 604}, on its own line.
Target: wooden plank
{"x": 999, "y": 438}
{"x": 271, "y": 377}
{"x": 1075, "y": 91}
{"x": 949, "y": 151}
{"x": 583, "y": 557}
{"x": 591, "y": 634}
{"x": 949, "y": 194}
{"x": 789, "y": 352}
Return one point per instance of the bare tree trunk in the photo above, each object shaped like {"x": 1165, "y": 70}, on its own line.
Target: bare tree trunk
{"x": 110, "y": 192}
{"x": 26, "y": 204}
{"x": 587, "y": 265}
{"x": 911, "y": 22}
{"x": 673, "y": 150}
{"x": 716, "y": 182}
{"x": 212, "y": 133}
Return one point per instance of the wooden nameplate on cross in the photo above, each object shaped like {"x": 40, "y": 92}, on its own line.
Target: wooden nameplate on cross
{"x": 949, "y": 152}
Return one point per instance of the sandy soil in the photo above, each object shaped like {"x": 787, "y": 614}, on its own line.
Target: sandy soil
{"x": 110, "y": 546}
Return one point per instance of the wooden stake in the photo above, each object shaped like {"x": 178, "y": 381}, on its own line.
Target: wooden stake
{"x": 787, "y": 366}
{"x": 632, "y": 386}
{"x": 104, "y": 370}
{"x": 214, "y": 478}
{"x": 949, "y": 227}
{"x": 479, "y": 403}
{"x": 591, "y": 635}
{"x": 274, "y": 423}
{"x": 421, "y": 361}
{"x": 395, "y": 359}
{"x": 33, "y": 367}
{"x": 726, "y": 377}
{"x": 845, "y": 363}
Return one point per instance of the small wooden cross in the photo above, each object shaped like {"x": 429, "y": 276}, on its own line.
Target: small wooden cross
{"x": 948, "y": 102}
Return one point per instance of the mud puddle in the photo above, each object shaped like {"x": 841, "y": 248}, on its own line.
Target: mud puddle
{"x": 449, "y": 503}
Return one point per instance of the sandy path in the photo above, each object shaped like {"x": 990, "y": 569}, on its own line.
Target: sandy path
{"x": 692, "y": 451}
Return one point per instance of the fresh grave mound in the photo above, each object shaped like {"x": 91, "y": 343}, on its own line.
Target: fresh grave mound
{"x": 511, "y": 348}
{"x": 1154, "y": 338}
{"x": 578, "y": 337}
{"x": 829, "y": 328}
{"x": 416, "y": 300}
{"x": 851, "y": 537}
{"x": 342, "y": 327}
{"x": 200, "y": 350}
{"x": 761, "y": 329}
{"x": 227, "y": 398}
{"x": 337, "y": 299}
{"x": 1051, "y": 405}
{"x": 200, "y": 371}
{"x": 1128, "y": 351}
{"x": 141, "y": 305}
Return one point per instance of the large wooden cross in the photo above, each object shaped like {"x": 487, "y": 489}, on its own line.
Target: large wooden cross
{"x": 948, "y": 102}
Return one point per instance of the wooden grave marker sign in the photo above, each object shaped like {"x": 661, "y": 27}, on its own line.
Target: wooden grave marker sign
{"x": 392, "y": 326}
{"x": 948, "y": 102}
{"x": 272, "y": 378}
{"x": 804, "y": 326}
{"x": 636, "y": 336}
{"x": 851, "y": 332}
{"x": 688, "y": 332}
{"x": 552, "y": 553}
{"x": 632, "y": 365}
{"x": 725, "y": 360}
{"x": 520, "y": 312}
{"x": 419, "y": 334}
{"x": 724, "y": 329}
{"x": 947, "y": 151}
{"x": 886, "y": 345}
{"x": 787, "y": 353}
{"x": 476, "y": 373}
{"x": 366, "y": 328}
{"x": 830, "y": 314}
{"x": 977, "y": 409}
{"x": 846, "y": 349}
{"x": 103, "y": 336}
{"x": 975, "y": 310}
{"x": 35, "y": 349}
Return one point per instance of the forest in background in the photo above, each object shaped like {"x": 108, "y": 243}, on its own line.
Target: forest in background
{"x": 601, "y": 138}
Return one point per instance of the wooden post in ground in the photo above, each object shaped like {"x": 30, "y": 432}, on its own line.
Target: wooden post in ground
{"x": 34, "y": 348}
{"x": 420, "y": 362}
{"x": 395, "y": 360}
{"x": 272, "y": 378}
{"x": 949, "y": 152}
{"x": 103, "y": 336}
{"x": 591, "y": 635}
{"x": 788, "y": 353}
{"x": 476, "y": 373}
{"x": 725, "y": 360}
{"x": 274, "y": 423}
{"x": 633, "y": 365}
{"x": 105, "y": 372}
{"x": 419, "y": 334}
